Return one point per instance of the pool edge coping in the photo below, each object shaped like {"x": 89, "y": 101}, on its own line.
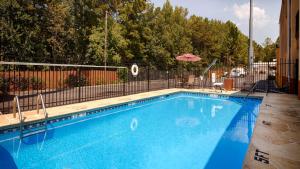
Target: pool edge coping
{"x": 255, "y": 141}
{"x": 34, "y": 121}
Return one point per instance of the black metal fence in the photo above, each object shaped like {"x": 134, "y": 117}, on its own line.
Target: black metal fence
{"x": 66, "y": 84}
{"x": 270, "y": 76}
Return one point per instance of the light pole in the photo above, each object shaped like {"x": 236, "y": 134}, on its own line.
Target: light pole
{"x": 105, "y": 42}
{"x": 250, "y": 52}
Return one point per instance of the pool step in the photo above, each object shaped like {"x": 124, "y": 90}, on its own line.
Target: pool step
{"x": 39, "y": 129}
{"x": 32, "y": 131}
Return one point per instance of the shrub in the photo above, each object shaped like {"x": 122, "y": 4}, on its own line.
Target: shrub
{"x": 4, "y": 85}
{"x": 21, "y": 83}
{"x": 76, "y": 81}
{"x": 122, "y": 74}
{"x": 36, "y": 83}
{"x": 100, "y": 82}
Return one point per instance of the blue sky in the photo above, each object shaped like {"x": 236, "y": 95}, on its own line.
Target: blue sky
{"x": 266, "y": 14}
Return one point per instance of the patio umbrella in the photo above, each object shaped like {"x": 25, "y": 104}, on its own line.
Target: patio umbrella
{"x": 188, "y": 58}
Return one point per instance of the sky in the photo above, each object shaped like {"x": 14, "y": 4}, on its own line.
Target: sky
{"x": 266, "y": 14}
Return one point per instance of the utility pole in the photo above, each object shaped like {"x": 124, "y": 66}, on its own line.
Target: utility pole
{"x": 250, "y": 52}
{"x": 105, "y": 43}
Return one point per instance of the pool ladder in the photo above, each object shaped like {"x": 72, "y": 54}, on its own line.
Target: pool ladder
{"x": 250, "y": 91}
{"x": 16, "y": 104}
{"x": 21, "y": 119}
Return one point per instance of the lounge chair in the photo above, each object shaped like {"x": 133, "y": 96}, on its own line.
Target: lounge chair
{"x": 219, "y": 84}
{"x": 179, "y": 81}
{"x": 199, "y": 81}
{"x": 191, "y": 81}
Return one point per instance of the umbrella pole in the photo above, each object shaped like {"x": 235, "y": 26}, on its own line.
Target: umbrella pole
{"x": 181, "y": 74}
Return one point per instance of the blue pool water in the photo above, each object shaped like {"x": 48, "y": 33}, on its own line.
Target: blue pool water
{"x": 181, "y": 131}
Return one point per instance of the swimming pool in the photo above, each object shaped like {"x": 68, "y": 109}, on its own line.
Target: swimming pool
{"x": 177, "y": 131}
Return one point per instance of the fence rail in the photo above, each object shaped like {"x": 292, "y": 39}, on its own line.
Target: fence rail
{"x": 62, "y": 84}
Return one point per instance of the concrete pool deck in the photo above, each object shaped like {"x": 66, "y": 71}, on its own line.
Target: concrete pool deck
{"x": 275, "y": 143}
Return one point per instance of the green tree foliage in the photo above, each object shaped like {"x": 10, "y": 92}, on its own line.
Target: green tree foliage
{"x": 269, "y": 49}
{"x": 72, "y": 31}
{"x": 231, "y": 46}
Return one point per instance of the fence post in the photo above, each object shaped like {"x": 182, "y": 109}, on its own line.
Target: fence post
{"x": 79, "y": 84}
{"x": 168, "y": 79}
{"x": 124, "y": 82}
{"x": 268, "y": 80}
{"x": 148, "y": 77}
{"x": 182, "y": 77}
{"x": 175, "y": 75}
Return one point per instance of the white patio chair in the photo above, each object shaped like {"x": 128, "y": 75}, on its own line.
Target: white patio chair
{"x": 217, "y": 84}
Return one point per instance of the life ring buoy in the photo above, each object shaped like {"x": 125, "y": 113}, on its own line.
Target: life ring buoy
{"x": 134, "y": 70}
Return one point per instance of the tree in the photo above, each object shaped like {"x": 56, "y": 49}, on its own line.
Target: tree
{"x": 269, "y": 50}
{"x": 72, "y": 31}
{"x": 24, "y": 30}
{"x": 231, "y": 45}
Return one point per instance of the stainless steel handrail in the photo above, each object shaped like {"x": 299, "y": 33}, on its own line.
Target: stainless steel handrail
{"x": 251, "y": 90}
{"x": 16, "y": 104}
{"x": 38, "y": 100}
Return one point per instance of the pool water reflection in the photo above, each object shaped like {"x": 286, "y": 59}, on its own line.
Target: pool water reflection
{"x": 177, "y": 132}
